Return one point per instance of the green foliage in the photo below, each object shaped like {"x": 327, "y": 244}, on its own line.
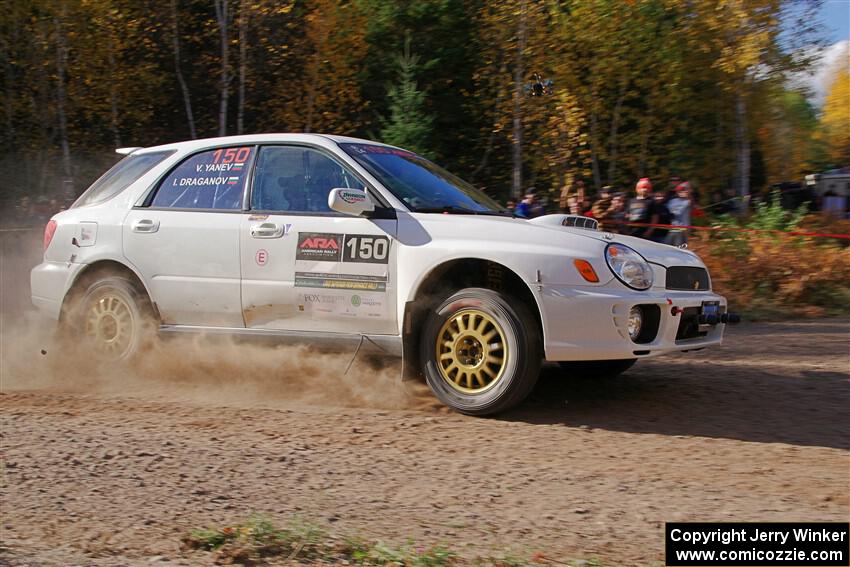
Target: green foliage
{"x": 258, "y": 537}
{"x": 258, "y": 540}
{"x": 408, "y": 126}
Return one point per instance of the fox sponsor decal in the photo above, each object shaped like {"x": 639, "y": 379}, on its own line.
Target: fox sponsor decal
{"x": 321, "y": 246}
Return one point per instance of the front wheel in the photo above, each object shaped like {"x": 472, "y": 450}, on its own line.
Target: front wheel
{"x": 480, "y": 351}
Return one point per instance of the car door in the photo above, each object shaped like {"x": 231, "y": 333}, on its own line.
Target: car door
{"x": 304, "y": 266}
{"x": 184, "y": 239}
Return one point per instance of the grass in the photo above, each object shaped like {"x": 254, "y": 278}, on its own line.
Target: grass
{"x": 257, "y": 541}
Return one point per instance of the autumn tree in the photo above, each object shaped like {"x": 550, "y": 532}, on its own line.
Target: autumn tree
{"x": 835, "y": 122}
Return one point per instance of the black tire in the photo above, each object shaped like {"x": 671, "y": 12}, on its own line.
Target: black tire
{"x": 597, "y": 368}
{"x": 521, "y": 354}
{"x": 112, "y": 318}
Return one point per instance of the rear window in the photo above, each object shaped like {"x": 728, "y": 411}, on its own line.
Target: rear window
{"x": 119, "y": 177}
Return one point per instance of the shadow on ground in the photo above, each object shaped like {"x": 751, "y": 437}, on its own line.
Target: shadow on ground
{"x": 697, "y": 399}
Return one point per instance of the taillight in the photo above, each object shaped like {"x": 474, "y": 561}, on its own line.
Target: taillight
{"x": 49, "y": 231}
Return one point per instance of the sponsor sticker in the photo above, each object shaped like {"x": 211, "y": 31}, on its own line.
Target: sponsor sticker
{"x": 341, "y": 281}
{"x": 351, "y": 197}
{"x": 321, "y": 246}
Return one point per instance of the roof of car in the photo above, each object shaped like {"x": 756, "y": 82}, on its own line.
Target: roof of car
{"x": 255, "y": 139}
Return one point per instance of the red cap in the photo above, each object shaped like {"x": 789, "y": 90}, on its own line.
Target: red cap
{"x": 644, "y": 182}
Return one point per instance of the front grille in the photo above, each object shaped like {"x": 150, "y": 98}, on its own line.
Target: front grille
{"x": 687, "y": 278}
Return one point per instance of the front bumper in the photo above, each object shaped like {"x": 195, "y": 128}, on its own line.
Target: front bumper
{"x": 590, "y": 323}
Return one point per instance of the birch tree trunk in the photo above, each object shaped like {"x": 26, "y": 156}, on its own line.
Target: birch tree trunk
{"x": 615, "y": 126}
{"x": 497, "y": 108}
{"x": 113, "y": 95}
{"x": 594, "y": 154}
{"x": 516, "y": 153}
{"x": 742, "y": 144}
{"x": 243, "y": 54}
{"x": 61, "y": 69}
{"x": 222, "y": 16}
{"x": 187, "y": 101}
{"x": 9, "y": 87}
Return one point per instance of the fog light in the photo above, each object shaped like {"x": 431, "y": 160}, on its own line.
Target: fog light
{"x": 635, "y": 322}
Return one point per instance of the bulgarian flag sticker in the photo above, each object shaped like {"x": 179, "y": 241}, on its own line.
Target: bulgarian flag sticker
{"x": 232, "y": 180}
{"x": 238, "y": 166}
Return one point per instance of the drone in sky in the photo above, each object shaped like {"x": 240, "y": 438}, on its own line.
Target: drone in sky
{"x": 539, "y": 86}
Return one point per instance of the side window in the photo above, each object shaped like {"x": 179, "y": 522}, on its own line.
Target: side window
{"x": 212, "y": 179}
{"x": 121, "y": 176}
{"x": 297, "y": 179}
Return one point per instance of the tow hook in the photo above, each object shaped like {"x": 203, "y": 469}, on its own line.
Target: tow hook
{"x": 726, "y": 318}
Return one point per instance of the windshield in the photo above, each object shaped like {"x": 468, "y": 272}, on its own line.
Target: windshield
{"x": 422, "y": 185}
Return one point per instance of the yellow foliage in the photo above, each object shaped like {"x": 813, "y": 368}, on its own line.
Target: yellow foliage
{"x": 836, "y": 115}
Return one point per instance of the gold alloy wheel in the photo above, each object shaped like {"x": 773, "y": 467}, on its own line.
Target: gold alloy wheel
{"x": 471, "y": 351}
{"x": 109, "y": 325}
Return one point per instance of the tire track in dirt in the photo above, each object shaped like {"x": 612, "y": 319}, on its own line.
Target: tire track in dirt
{"x": 584, "y": 469}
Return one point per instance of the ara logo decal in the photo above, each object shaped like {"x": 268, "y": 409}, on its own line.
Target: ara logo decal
{"x": 319, "y": 243}
{"x": 320, "y": 246}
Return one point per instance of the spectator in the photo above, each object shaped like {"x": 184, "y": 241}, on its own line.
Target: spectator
{"x": 671, "y": 187}
{"x": 618, "y": 216}
{"x": 511, "y": 206}
{"x": 640, "y": 209}
{"x": 680, "y": 211}
{"x": 538, "y": 207}
{"x": 577, "y": 191}
{"x": 524, "y": 208}
{"x": 660, "y": 215}
{"x": 573, "y": 207}
{"x": 585, "y": 205}
{"x": 603, "y": 209}
{"x": 23, "y": 211}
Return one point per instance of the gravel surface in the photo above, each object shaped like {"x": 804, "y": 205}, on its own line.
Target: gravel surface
{"x": 114, "y": 467}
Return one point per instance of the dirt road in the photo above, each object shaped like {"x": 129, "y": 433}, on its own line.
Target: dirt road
{"x": 106, "y": 474}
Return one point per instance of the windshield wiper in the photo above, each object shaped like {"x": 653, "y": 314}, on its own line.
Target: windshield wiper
{"x": 452, "y": 210}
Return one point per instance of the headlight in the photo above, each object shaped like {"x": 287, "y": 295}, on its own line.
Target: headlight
{"x": 629, "y": 266}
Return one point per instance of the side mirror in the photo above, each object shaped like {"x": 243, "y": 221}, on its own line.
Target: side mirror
{"x": 353, "y": 202}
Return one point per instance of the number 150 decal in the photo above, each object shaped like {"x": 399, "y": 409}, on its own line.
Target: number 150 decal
{"x": 366, "y": 248}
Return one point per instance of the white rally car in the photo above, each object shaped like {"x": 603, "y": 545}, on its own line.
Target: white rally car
{"x": 324, "y": 239}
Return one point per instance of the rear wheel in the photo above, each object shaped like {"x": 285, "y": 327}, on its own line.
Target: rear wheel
{"x": 480, "y": 351}
{"x": 113, "y": 318}
{"x": 597, "y": 368}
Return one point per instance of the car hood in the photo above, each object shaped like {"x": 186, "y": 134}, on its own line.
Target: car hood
{"x": 548, "y": 231}
{"x": 661, "y": 254}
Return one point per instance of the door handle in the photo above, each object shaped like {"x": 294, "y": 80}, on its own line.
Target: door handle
{"x": 266, "y": 230}
{"x": 145, "y": 225}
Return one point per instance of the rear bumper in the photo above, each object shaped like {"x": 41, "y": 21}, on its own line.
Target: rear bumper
{"x": 591, "y": 323}
{"x": 49, "y": 282}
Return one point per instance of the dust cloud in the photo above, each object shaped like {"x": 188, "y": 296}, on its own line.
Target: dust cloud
{"x": 207, "y": 370}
